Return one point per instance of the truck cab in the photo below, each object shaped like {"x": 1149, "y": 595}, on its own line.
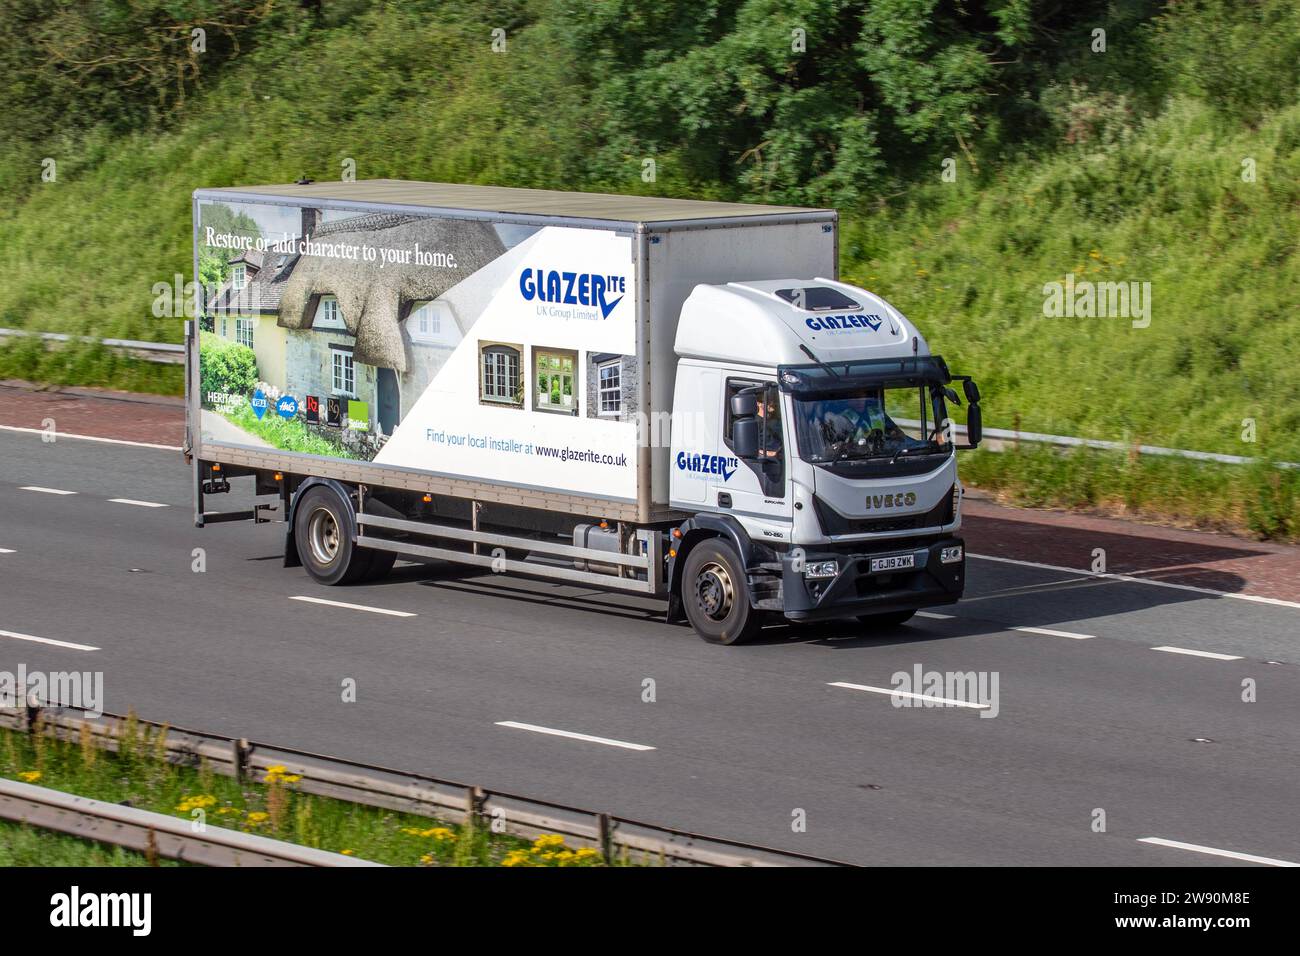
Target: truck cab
{"x": 813, "y": 449}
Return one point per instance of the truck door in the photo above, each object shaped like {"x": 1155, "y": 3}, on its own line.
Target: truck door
{"x": 757, "y": 491}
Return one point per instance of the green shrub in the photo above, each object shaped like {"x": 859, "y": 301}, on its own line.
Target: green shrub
{"x": 226, "y": 367}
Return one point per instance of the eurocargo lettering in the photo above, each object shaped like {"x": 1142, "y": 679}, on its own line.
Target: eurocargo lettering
{"x": 474, "y": 379}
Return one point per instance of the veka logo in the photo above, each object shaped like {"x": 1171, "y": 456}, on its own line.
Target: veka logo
{"x": 843, "y": 323}
{"x": 891, "y": 501}
{"x": 259, "y": 403}
{"x": 572, "y": 288}
{"x": 708, "y": 464}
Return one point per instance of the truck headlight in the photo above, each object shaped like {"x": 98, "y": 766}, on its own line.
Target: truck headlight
{"x": 950, "y": 555}
{"x": 821, "y": 569}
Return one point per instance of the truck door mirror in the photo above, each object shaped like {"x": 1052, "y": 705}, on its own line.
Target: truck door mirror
{"x": 745, "y": 432}
{"x": 744, "y": 405}
{"x": 972, "y": 391}
{"x": 974, "y": 425}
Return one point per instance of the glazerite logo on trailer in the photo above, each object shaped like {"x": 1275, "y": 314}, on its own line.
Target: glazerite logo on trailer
{"x": 558, "y": 288}
{"x": 723, "y": 465}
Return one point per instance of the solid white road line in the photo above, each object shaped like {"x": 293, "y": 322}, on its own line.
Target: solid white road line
{"x": 352, "y": 607}
{"x": 107, "y": 441}
{"x": 572, "y": 736}
{"x": 1051, "y": 633}
{"x": 903, "y": 693}
{"x": 46, "y": 640}
{"x": 140, "y": 504}
{"x": 935, "y": 615}
{"x": 1191, "y": 653}
{"x": 1230, "y": 854}
{"x": 46, "y": 491}
{"x": 1130, "y": 579}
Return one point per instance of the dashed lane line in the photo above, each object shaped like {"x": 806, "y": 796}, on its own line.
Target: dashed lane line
{"x": 587, "y": 738}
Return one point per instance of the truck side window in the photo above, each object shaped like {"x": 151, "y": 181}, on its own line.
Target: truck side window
{"x": 770, "y": 466}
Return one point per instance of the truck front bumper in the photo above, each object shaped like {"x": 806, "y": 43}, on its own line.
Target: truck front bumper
{"x": 856, "y": 589}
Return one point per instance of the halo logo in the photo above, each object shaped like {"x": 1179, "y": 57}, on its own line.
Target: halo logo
{"x": 572, "y": 288}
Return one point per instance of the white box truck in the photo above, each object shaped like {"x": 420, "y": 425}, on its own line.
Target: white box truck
{"x": 662, "y": 396}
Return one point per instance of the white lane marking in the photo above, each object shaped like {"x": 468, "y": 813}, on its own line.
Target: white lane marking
{"x": 7, "y": 551}
{"x": 1130, "y": 579}
{"x": 47, "y": 640}
{"x": 904, "y": 693}
{"x": 352, "y": 607}
{"x": 1191, "y": 653}
{"x": 1230, "y": 854}
{"x": 608, "y": 742}
{"x": 139, "y": 504}
{"x": 1051, "y": 633}
{"x": 46, "y": 491}
{"x": 107, "y": 441}
{"x": 934, "y": 614}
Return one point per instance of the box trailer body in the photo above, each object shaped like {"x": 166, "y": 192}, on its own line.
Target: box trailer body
{"x": 550, "y": 383}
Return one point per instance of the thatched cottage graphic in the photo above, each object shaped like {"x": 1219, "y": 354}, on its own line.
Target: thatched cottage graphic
{"x": 329, "y": 327}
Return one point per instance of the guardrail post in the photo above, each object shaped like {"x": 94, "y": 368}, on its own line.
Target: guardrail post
{"x": 30, "y": 712}
{"x": 239, "y": 752}
{"x": 475, "y": 804}
{"x": 605, "y": 836}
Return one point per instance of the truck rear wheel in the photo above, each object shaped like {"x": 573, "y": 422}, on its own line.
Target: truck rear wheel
{"x": 321, "y": 529}
{"x": 715, "y": 596}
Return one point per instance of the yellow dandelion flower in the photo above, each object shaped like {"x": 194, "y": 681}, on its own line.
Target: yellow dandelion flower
{"x": 31, "y": 776}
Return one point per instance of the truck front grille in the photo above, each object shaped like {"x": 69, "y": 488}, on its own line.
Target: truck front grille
{"x": 833, "y": 522}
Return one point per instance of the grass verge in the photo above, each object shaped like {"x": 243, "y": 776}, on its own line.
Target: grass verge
{"x": 1256, "y": 500}
{"x": 272, "y": 806}
{"x": 87, "y": 365}
{"x": 21, "y": 845}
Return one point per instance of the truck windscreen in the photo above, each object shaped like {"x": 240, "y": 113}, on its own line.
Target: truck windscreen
{"x": 870, "y": 423}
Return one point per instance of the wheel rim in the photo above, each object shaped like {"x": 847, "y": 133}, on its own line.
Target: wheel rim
{"x": 323, "y": 535}
{"x": 714, "y": 592}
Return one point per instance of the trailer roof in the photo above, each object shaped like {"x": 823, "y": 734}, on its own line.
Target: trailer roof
{"x": 509, "y": 201}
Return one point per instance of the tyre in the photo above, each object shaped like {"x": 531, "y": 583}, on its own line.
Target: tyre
{"x": 891, "y": 619}
{"x": 321, "y": 526}
{"x": 715, "y": 595}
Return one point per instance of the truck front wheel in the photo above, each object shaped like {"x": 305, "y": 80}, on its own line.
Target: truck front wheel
{"x": 715, "y": 596}
{"x": 321, "y": 528}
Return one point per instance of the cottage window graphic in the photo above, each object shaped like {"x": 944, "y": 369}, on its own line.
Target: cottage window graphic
{"x": 553, "y": 381}
{"x": 243, "y": 331}
{"x": 499, "y": 374}
{"x": 345, "y": 374}
{"x": 328, "y": 314}
{"x": 427, "y": 321}
{"x": 611, "y": 388}
{"x": 238, "y": 277}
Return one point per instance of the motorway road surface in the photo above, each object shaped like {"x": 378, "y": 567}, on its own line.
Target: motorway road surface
{"x": 737, "y": 741}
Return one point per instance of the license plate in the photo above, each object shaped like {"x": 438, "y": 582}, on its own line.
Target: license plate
{"x": 894, "y": 562}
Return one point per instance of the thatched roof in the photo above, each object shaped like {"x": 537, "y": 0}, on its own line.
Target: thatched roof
{"x": 370, "y": 297}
